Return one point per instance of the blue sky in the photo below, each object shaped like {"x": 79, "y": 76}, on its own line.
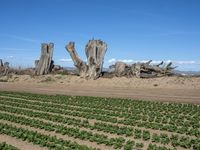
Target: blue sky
{"x": 135, "y": 30}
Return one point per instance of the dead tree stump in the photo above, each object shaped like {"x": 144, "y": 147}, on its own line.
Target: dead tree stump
{"x": 120, "y": 69}
{"x": 1, "y": 63}
{"x": 95, "y": 51}
{"x": 44, "y": 64}
{"x": 142, "y": 70}
{"x": 4, "y": 68}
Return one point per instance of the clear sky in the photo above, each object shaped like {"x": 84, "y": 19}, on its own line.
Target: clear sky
{"x": 135, "y": 30}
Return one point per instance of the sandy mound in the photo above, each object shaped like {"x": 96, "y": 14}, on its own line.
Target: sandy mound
{"x": 162, "y": 82}
{"x": 176, "y": 89}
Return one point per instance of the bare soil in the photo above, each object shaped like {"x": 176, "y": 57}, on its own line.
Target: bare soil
{"x": 167, "y": 89}
{"x": 22, "y": 145}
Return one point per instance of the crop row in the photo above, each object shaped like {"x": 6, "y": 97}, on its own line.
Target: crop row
{"x": 71, "y": 132}
{"x": 66, "y": 107}
{"x": 183, "y": 141}
{"x": 119, "y": 105}
{"x": 5, "y": 146}
{"x": 155, "y": 126}
{"x": 178, "y": 120}
{"x": 40, "y": 139}
{"x": 51, "y": 108}
{"x": 170, "y": 117}
{"x": 155, "y": 147}
{"x": 46, "y": 116}
{"x": 141, "y": 110}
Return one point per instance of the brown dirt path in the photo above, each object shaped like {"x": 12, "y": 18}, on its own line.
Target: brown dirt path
{"x": 180, "y": 95}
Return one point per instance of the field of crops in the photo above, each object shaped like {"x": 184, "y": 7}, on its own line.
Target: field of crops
{"x": 84, "y": 123}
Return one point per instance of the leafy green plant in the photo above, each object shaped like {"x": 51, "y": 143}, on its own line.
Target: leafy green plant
{"x": 123, "y": 119}
{"x": 5, "y": 146}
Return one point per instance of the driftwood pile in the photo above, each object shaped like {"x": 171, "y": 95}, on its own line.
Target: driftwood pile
{"x": 142, "y": 70}
{"x": 95, "y": 51}
{"x": 4, "y": 68}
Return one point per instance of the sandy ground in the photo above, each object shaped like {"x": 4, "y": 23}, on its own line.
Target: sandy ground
{"x": 176, "y": 89}
{"x": 22, "y": 145}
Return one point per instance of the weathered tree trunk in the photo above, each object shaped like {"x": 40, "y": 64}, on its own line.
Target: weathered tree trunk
{"x": 4, "y": 68}
{"x": 78, "y": 63}
{"x": 44, "y": 65}
{"x": 95, "y": 51}
{"x": 142, "y": 70}
{"x": 120, "y": 69}
{"x": 1, "y": 63}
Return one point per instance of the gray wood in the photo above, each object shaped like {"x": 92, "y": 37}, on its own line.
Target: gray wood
{"x": 4, "y": 68}
{"x": 120, "y": 69}
{"x": 95, "y": 51}
{"x": 142, "y": 70}
{"x": 78, "y": 63}
{"x": 45, "y": 63}
{"x": 36, "y": 63}
{"x": 1, "y": 63}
